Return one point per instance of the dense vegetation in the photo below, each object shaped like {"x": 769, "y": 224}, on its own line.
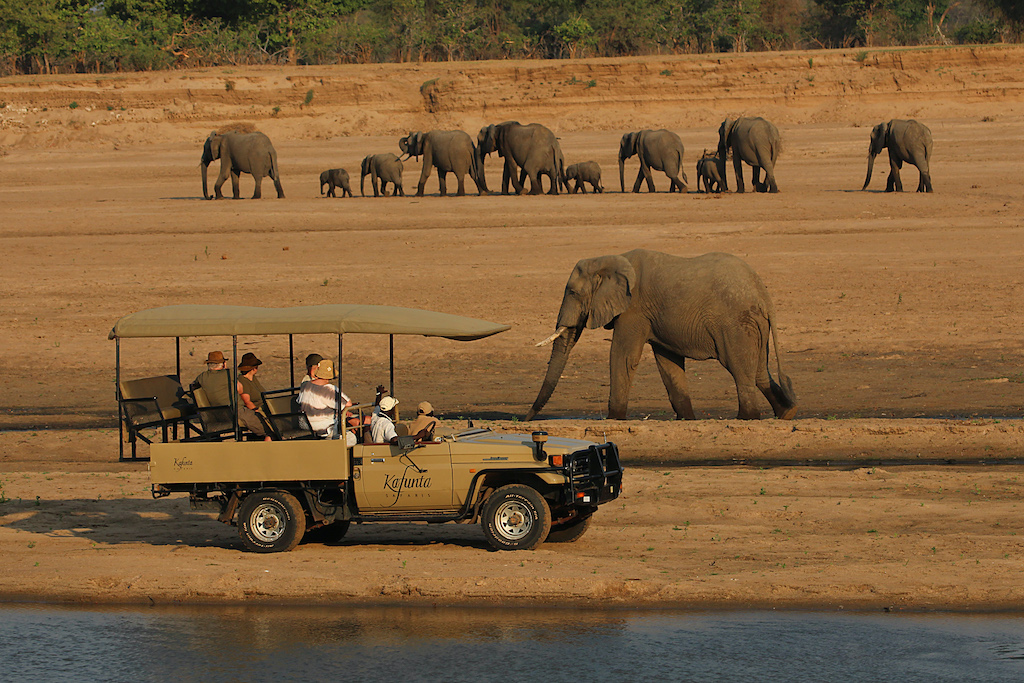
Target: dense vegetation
{"x": 46, "y": 36}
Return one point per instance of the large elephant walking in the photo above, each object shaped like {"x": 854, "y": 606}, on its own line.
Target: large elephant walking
{"x": 661, "y": 150}
{"x": 754, "y": 141}
{"x": 240, "y": 153}
{"x": 907, "y": 141}
{"x": 449, "y": 151}
{"x": 532, "y": 148}
{"x": 710, "y": 306}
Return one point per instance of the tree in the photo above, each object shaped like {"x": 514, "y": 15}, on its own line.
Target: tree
{"x": 576, "y": 34}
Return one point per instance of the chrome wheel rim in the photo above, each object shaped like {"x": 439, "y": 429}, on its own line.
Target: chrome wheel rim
{"x": 268, "y": 522}
{"x": 513, "y": 520}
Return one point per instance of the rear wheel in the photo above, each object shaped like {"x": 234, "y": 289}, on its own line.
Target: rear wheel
{"x": 516, "y": 517}
{"x": 271, "y": 522}
{"x": 570, "y": 531}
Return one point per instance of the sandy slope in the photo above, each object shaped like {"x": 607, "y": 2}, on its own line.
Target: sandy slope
{"x": 890, "y": 307}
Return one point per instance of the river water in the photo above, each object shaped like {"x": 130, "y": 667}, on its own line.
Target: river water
{"x": 43, "y": 643}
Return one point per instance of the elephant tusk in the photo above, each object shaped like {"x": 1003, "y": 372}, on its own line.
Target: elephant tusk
{"x": 558, "y": 333}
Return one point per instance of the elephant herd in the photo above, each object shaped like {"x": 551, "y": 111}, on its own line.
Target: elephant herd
{"x": 532, "y": 151}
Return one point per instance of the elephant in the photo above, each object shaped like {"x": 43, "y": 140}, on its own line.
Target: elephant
{"x": 586, "y": 172}
{"x": 532, "y": 148}
{"x": 240, "y": 153}
{"x": 710, "y": 170}
{"x": 661, "y": 150}
{"x": 908, "y": 141}
{"x": 754, "y": 141}
{"x": 335, "y": 177}
{"x": 710, "y": 306}
{"x": 449, "y": 151}
{"x": 385, "y": 167}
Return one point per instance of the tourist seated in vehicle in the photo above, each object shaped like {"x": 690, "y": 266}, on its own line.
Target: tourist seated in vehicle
{"x": 423, "y": 426}
{"x": 382, "y": 426}
{"x": 250, "y": 396}
{"x": 319, "y": 399}
{"x": 215, "y": 380}
{"x": 311, "y": 362}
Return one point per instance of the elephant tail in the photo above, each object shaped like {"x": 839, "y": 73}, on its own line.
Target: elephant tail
{"x": 783, "y": 389}
{"x": 275, "y": 173}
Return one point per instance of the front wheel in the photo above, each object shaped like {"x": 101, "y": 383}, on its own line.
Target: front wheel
{"x": 516, "y": 517}
{"x": 271, "y": 522}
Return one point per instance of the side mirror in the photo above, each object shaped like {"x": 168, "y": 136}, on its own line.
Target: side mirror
{"x": 406, "y": 443}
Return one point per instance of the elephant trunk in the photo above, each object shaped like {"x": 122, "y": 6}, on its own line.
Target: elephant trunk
{"x": 871, "y": 166}
{"x": 622, "y": 174}
{"x": 564, "y": 340}
{"x": 205, "y": 169}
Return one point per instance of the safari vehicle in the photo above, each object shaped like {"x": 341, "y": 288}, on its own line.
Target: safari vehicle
{"x": 522, "y": 488}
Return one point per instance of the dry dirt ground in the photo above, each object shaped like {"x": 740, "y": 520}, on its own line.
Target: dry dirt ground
{"x": 898, "y": 317}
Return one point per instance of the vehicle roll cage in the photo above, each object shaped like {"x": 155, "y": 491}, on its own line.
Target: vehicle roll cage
{"x": 234, "y": 321}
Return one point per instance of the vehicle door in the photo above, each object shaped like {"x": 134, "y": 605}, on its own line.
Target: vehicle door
{"x": 388, "y": 478}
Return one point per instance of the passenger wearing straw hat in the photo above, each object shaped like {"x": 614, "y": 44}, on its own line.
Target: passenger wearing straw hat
{"x": 318, "y": 399}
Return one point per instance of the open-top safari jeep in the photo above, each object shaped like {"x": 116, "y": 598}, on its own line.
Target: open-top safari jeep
{"x": 522, "y": 488}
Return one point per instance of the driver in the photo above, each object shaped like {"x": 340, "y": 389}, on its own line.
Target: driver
{"x": 382, "y": 426}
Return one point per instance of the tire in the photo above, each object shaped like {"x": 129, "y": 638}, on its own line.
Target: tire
{"x": 271, "y": 522}
{"x": 328, "y": 533}
{"x": 570, "y": 531}
{"x": 516, "y": 517}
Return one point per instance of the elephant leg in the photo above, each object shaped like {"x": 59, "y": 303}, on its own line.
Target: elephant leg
{"x": 894, "y": 175}
{"x": 639, "y": 179}
{"x": 739, "y": 353}
{"x": 755, "y": 180}
{"x": 580, "y": 186}
{"x": 737, "y": 165}
{"x": 535, "y": 187}
{"x": 673, "y": 375}
{"x": 257, "y": 193}
{"x": 646, "y": 170}
{"x": 399, "y": 191}
{"x": 769, "y": 178}
{"x": 442, "y": 182}
{"x": 236, "y": 190}
{"x": 276, "y": 176}
{"x": 330, "y": 190}
{"x": 462, "y": 184}
{"x": 554, "y": 181}
{"x": 627, "y": 347}
{"x": 221, "y": 177}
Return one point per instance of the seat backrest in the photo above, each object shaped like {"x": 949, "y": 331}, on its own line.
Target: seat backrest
{"x": 165, "y": 388}
{"x": 280, "y": 405}
{"x": 202, "y": 400}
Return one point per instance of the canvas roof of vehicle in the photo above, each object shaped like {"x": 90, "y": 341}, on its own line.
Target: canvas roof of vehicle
{"x": 209, "y": 321}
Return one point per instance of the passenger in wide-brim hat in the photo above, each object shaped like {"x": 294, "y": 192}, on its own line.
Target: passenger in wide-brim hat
{"x": 249, "y": 362}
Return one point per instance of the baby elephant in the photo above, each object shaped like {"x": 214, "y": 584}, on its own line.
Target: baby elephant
{"x": 335, "y": 177}
{"x": 708, "y": 172}
{"x": 586, "y": 172}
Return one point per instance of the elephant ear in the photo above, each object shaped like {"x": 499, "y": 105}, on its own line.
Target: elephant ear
{"x": 614, "y": 279}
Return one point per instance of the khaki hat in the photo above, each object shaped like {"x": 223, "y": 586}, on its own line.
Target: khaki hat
{"x": 387, "y": 403}
{"x": 324, "y": 369}
{"x": 215, "y": 357}
{"x": 425, "y": 408}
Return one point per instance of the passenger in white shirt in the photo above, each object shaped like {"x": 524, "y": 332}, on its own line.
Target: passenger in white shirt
{"x": 382, "y": 427}
{"x": 318, "y": 399}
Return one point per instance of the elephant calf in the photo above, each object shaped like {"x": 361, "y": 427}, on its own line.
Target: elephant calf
{"x": 585, "y": 172}
{"x": 335, "y": 177}
{"x": 387, "y": 168}
{"x": 710, "y": 169}
{"x": 907, "y": 141}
